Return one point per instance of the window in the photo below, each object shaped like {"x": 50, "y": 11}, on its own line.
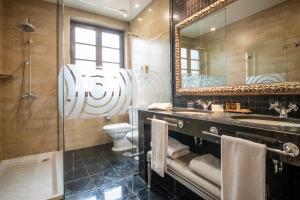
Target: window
{"x": 93, "y": 45}
{"x": 184, "y": 61}
{"x": 195, "y": 61}
{"x": 190, "y": 61}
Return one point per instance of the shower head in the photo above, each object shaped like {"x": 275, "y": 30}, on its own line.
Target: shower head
{"x": 26, "y": 26}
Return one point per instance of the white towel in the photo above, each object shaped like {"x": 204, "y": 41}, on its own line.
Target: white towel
{"x": 208, "y": 167}
{"x": 174, "y": 147}
{"x": 160, "y": 106}
{"x": 179, "y": 154}
{"x": 243, "y": 169}
{"x": 159, "y": 138}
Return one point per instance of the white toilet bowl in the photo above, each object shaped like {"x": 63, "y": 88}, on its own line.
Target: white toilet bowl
{"x": 118, "y": 134}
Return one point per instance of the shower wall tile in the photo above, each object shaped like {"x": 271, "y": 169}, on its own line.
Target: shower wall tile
{"x": 40, "y": 133}
{"x": 1, "y": 27}
{"x": 82, "y": 133}
{"x": 1, "y": 71}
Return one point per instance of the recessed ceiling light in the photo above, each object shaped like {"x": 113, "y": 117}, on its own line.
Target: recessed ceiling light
{"x": 149, "y": 9}
{"x": 125, "y": 15}
{"x": 136, "y": 5}
{"x": 140, "y": 19}
{"x": 213, "y": 28}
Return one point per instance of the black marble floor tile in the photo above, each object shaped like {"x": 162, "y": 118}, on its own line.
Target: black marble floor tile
{"x": 114, "y": 156}
{"x": 105, "y": 174}
{"x": 75, "y": 174}
{"x": 104, "y": 177}
{"x": 71, "y": 155}
{"x": 98, "y": 167}
{"x": 146, "y": 194}
{"x": 78, "y": 186}
{"x": 71, "y": 165}
{"x": 117, "y": 190}
{"x": 135, "y": 183}
{"x": 91, "y": 195}
{"x": 91, "y": 151}
{"x": 125, "y": 169}
{"x": 90, "y": 160}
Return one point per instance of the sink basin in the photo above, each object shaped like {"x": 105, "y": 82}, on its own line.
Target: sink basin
{"x": 268, "y": 121}
{"x": 191, "y": 111}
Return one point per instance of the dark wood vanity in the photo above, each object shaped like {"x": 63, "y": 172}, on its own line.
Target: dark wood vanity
{"x": 191, "y": 128}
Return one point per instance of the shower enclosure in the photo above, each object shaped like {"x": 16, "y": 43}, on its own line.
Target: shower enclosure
{"x": 31, "y": 137}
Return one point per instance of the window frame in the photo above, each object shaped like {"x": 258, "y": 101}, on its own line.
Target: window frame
{"x": 99, "y": 30}
{"x": 189, "y": 60}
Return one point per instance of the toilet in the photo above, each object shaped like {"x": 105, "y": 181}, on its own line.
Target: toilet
{"x": 121, "y": 131}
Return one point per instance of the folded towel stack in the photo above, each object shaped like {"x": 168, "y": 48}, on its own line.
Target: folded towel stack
{"x": 208, "y": 167}
{"x": 160, "y": 106}
{"x": 176, "y": 149}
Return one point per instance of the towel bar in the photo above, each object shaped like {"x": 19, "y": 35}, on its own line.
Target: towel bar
{"x": 289, "y": 149}
{"x": 179, "y": 123}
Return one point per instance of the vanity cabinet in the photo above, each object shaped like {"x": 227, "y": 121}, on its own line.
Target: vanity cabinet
{"x": 280, "y": 184}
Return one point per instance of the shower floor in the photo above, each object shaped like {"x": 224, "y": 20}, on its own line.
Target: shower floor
{"x": 34, "y": 177}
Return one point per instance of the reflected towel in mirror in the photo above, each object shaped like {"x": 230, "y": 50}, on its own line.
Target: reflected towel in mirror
{"x": 160, "y": 106}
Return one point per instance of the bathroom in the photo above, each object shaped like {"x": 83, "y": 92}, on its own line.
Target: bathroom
{"x": 149, "y": 99}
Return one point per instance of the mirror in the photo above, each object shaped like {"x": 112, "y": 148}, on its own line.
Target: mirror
{"x": 203, "y": 60}
{"x": 242, "y": 47}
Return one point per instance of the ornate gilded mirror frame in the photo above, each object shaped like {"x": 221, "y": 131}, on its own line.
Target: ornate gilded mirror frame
{"x": 245, "y": 89}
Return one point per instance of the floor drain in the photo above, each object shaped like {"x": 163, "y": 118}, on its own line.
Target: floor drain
{"x": 45, "y": 160}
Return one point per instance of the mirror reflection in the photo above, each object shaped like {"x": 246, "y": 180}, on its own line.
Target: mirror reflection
{"x": 203, "y": 61}
{"x": 248, "y": 42}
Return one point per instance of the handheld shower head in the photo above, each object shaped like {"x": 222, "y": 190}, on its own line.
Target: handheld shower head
{"x": 26, "y": 26}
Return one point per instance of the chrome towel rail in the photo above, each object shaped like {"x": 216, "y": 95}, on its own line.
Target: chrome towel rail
{"x": 289, "y": 149}
{"x": 179, "y": 123}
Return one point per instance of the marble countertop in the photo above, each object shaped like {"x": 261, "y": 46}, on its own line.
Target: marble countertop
{"x": 228, "y": 118}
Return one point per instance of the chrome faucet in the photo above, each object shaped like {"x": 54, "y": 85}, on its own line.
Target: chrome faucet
{"x": 283, "y": 112}
{"x": 204, "y": 104}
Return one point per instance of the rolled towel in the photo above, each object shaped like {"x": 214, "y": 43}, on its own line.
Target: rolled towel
{"x": 174, "y": 147}
{"x": 208, "y": 167}
{"x": 160, "y": 106}
{"x": 180, "y": 154}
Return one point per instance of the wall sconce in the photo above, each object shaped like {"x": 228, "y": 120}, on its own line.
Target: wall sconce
{"x": 145, "y": 69}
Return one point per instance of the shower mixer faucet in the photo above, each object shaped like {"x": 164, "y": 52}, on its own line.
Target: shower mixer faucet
{"x": 30, "y": 96}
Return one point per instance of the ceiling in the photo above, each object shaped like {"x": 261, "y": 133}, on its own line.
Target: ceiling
{"x": 234, "y": 12}
{"x": 108, "y": 8}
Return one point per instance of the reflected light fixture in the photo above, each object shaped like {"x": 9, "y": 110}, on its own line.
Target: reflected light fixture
{"x": 175, "y": 16}
{"x": 149, "y": 9}
{"x": 136, "y": 5}
{"x": 213, "y": 28}
{"x": 140, "y": 19}
{"x": 124, "y": 13}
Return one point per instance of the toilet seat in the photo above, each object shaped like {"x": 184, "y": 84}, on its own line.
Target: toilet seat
{"x": 117, "y": 128}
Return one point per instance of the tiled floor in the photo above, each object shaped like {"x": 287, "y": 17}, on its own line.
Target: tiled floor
{"x": 97, "y": 173}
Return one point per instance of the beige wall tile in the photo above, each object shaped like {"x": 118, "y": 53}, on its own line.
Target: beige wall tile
{"x": 40, "y": 133}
